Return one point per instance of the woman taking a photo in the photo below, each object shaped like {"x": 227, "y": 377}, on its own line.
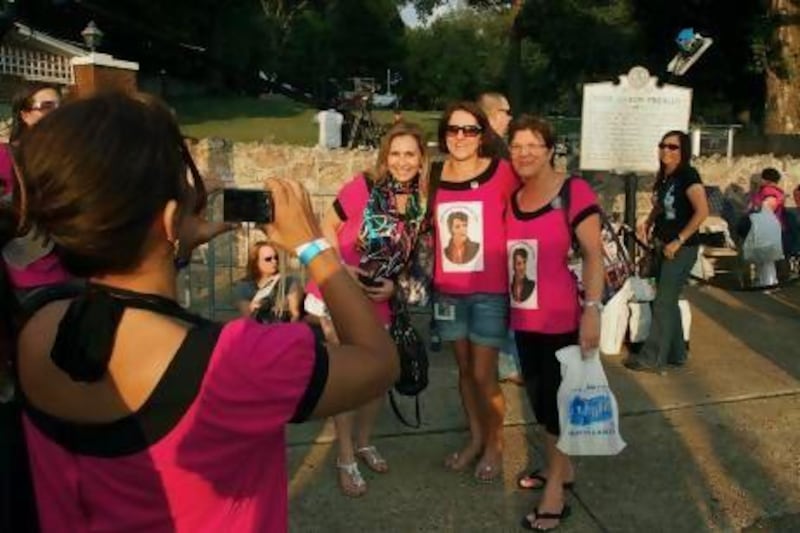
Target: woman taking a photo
{"x": 140, "y": 416}
{"x": 375, "y": 222}
{"x": 470, "y": 279}
{"x": 266, "y": 294}
{"x": 548, "y": 314}
{"x": 679, "y": 207}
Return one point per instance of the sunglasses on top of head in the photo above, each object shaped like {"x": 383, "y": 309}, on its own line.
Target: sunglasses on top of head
{"x": 669, "y": 146}
{"x": 468, "y": 131}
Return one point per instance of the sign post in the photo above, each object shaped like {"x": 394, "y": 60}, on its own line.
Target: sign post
{"x": 622, "y": 123}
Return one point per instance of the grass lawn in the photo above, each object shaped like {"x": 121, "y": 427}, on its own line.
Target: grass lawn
{"x": 274, "y": 119}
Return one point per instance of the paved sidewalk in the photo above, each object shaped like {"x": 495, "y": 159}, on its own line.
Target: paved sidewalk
{"x": 711, "y": 447}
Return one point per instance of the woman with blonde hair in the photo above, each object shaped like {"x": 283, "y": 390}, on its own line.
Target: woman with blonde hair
{"x": 375, "y": 222}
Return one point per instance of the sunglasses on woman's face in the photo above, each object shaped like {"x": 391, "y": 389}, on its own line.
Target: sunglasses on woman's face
{"x": 269, "y": 258}
{"x": 669, "y": 146}
{"x": 45, "y": 105}
{"x": 468, "y": 131}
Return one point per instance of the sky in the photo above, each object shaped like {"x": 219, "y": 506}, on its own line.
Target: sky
{"x": 409, "y": 14}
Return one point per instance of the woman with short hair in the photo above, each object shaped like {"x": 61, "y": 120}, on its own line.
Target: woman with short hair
{"x": 548, "y": 313}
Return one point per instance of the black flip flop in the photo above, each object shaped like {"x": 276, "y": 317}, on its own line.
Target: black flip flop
{"x": 537, "y": 476}
{"x": 527, "y": 524}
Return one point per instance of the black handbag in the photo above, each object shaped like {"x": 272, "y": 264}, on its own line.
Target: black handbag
{"x": 413, "y": 361}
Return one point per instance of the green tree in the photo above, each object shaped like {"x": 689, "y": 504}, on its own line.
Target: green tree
{"x": 456, "y": 57}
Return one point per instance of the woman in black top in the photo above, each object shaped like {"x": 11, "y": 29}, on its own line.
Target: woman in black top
{"x": 679, "y": 207}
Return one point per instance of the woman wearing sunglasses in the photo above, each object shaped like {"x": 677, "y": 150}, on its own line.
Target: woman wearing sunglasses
{"x": 29, "y": 259}
{"x": 266, "y": 294}
{"x": 470, "y": 194}
{"x": 679, "y": 207}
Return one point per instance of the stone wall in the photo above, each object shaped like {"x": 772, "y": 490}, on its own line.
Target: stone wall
{"x": 322, "y": 171}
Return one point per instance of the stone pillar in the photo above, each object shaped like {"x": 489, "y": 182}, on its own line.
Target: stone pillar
{"x": 101, "y": 72}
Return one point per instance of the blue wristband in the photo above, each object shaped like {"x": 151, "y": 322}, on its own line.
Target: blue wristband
{"x": 308, "y": 251}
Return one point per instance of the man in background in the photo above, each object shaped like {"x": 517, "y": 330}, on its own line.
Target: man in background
{"x": 498, "y": 111}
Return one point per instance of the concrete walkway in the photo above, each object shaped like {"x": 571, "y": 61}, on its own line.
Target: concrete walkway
{"x": 714, "y": 446}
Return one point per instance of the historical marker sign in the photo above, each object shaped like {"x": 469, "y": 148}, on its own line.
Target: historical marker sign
{"x": 622, "y": 122}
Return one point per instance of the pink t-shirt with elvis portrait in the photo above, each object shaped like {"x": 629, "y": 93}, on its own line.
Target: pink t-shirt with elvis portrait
{"x": 349, "y": 205}
{"x": 469, "y": 235}
{"x": 543, "y": 291}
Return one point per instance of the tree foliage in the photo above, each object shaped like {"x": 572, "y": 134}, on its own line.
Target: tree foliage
{"x": 539, "y": 51}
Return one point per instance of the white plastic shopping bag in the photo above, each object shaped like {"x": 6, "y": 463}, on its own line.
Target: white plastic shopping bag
{"x": 643, "y": 290}
{"x": 763, "y": 242}
{"x": 686, "y": 317}
{"x": 614, "y": 321}
{"x": 640, "y": 320}
{"x": 587, "y": 410}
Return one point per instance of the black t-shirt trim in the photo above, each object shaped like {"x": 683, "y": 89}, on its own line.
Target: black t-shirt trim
{"x": 519, "y": 214}
{"x": 337, "y": 206}
{"x": 584, "y": 214}
{"x": 480, "y": 179}
{"x": 316, "y": 385}
{"x": 160, "y": 413}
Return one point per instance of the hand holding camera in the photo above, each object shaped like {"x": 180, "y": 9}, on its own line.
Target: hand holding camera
{"x": 293, "y": 221}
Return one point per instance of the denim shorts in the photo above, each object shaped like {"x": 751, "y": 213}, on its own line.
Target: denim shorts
{"x": 481, "y": 318}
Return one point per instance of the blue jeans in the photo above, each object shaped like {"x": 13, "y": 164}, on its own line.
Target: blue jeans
{"x": 665, "y": 342}
{"x": 481, "y": 318}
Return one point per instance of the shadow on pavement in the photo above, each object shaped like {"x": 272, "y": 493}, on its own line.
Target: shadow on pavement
{"x": 711, "y": 447}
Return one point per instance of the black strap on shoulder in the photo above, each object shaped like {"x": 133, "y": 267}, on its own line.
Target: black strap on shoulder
{"x": 87, "y": 331}
{"x": 564, "y": 195}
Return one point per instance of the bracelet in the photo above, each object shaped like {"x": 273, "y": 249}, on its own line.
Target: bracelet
{"x": 594, "y": 303}
{"x": 308, "y": 251}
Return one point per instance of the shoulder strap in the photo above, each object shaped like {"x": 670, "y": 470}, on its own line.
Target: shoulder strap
{"x": 564, "y": 202}
{"x": 38, "y": 298}
{"x": 399, "y": 415}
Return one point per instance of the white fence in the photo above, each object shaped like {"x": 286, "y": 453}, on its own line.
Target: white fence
{"x": 35, "y": 65}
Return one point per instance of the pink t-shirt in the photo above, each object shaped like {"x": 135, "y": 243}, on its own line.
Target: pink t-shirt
{"x": 769, "y": 190}
{"x": 350, "y": 204}
{"x": 543, "y": 292}
{"x": 46, "y": 270}
{"x": 469, "y": 232}
{"x": 218, "y": 465}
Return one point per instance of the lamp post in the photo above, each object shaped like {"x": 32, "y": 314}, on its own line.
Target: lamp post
{"x": 92, "y": 36}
